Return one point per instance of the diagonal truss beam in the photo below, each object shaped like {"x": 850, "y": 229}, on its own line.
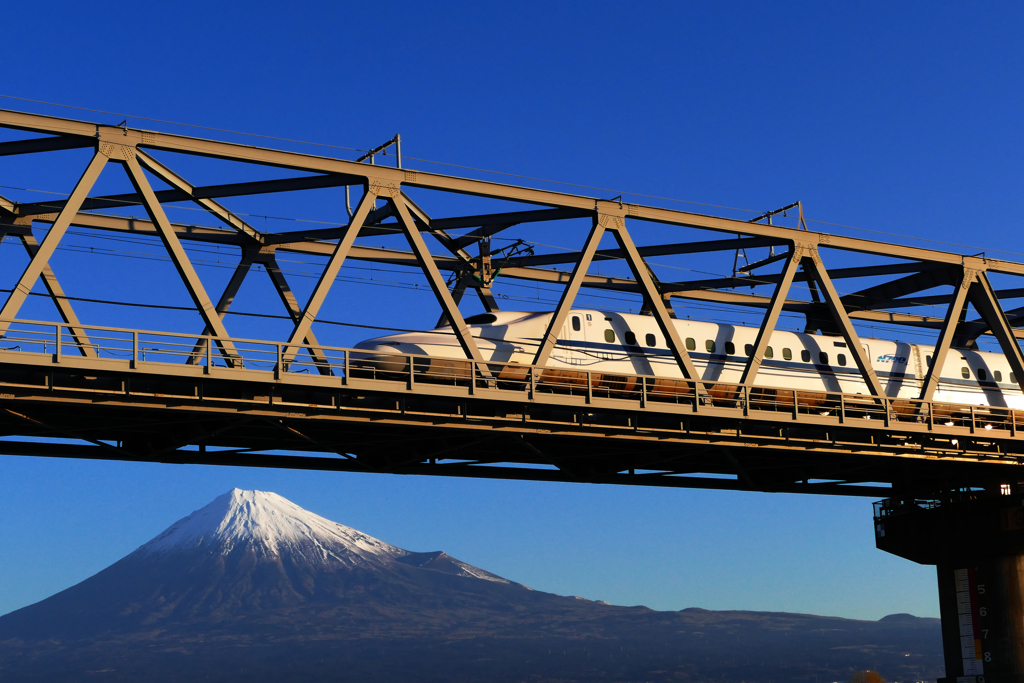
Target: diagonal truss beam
{"x": 326, "y": 281}
{"x": 962, "y": 283}
{"x": 223, "y": 304}
{"x": 987, "y": 304}
{"x": 771, "y": 316}
{"x": 550, "y": 338}
{"x": 816, "y": 270}
{"x": 178, "y": 256}
{"x": 53, "y": 237}
{"x": 653, "y": 298}
{"x": 177, "y": 182}
{"x": 291, "y": 304}
{"x": 437, "y": 283}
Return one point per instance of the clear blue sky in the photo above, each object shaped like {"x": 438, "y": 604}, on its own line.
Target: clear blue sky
{"x": 900, "y": 119}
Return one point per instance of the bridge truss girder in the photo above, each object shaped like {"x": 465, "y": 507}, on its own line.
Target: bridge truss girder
{"x": 828, "y": 310}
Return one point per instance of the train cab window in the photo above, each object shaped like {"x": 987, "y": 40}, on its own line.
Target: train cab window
{"x": 609, "y": 336}
{"x": 769, "y": 352}
{"x": 630, "y": 338}
{"x": 928, "y": 361}
{"x": 651, "y": 341}
{"x": 748, "y": 349}
{"x": 997, "y": 376}
{"x": 730, "y": 348}
{"x": 822, "y": 357}
{"x": 982, "y": 375}
{"x": 805, "y": 355}
{"x": 1013, "y": 378}
{"x": 710, "y": 345}
{"x": 690, "y": 344}
{"x": 576, "y": 323}
{"x": 841, "y": 358}
{"x": 787, "y": 354}
{"x": 965, "y": 372}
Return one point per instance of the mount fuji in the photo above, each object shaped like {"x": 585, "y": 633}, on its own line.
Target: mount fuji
{"x": 253, "y": 586}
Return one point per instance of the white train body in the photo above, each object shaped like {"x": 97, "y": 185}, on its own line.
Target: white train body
{"x": 609, "y": 343}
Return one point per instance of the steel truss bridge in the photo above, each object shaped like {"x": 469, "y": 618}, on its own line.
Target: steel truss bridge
{"x": 72, "y": 389}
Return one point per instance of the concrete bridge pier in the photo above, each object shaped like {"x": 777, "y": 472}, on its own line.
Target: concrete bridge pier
{"x": 976, "y": 540}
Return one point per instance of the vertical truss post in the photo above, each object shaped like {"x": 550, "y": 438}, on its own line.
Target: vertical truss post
{"x": 178, "y": 255}
{"x": 987, "y": 304}
{"x": 579, "y": 272}
{"x": 962, "y": 285}
{"x": 812, "y": 262}
{"x": 444, "y": 297}
{"x": 771, "y": 316}
{"x": 653, "y": 298}
{"x": 326, "y": 281}
{"x": 53, "y": 237}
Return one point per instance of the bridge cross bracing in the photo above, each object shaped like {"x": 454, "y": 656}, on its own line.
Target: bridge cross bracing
{"x": 244, "y": 400}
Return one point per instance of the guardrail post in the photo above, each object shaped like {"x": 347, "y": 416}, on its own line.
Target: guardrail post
{"x": 56, "y": 356}
{"x": 472, "y": 377}
{"x": 209, "y": 355}
{"x": 344, "y": 380}
{"x": 887, "y": 408}
{"x": 972, "y": 419}
{"x": 135, "y": 350}
{"x": 1013, "y": 422}
{"x": 746, "y": 400}
{"x": 931, "y": 417}
{"x": 590, "y": 389}
{"x": 412, "y": 374}
{"x": 643, "y": 392}
{"x": 696, "y": 395}
{"x": 842, "y": 408}
{"x": 796, "y": 404}
{"x": 533, "y": 382}
{"x": 280, "y": 362}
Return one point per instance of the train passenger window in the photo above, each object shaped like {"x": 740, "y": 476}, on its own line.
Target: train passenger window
{"x": 690, "y": 344}
{"x": 609, "y": 336}
{"x": 769, "y": 352}
{"x": 576, "y": 323}
{"x": 748, "y": 349}
{"x": 710, "y": 345}
{"x": 630, "y": 338}
{"x": 997, "y": 376}
{"x": 982, "y": 375}
{"x": 822, "y": 357}
{"x": 730, "y": 348}
{"x": 965, "y": 373}
{"x": 841, "y": 358}
{"x": 928, "y": 361}
{"x": 651, "y": 341}
{"x": 805, "y": 355}
{"x": 787, "y": 354}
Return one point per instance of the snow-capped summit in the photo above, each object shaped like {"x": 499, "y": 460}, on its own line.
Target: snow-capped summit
{"x": 269, "y": 525}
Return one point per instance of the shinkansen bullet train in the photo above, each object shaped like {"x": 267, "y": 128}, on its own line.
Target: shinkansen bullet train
{"x": 615, "y": 348}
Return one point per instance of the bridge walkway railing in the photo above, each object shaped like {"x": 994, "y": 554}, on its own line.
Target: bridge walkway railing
{"x": 167, "y": 354}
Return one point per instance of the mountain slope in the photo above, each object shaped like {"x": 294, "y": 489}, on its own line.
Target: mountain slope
{"x": 253, "y": 586}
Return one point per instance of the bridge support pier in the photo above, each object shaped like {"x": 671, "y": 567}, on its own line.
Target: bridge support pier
{"x": 976, "y": 540}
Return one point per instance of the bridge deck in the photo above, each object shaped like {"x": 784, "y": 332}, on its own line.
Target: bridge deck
{"x": 152, "y": 396}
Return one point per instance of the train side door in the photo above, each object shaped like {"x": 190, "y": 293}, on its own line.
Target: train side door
{"x": 576, "y": 337}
